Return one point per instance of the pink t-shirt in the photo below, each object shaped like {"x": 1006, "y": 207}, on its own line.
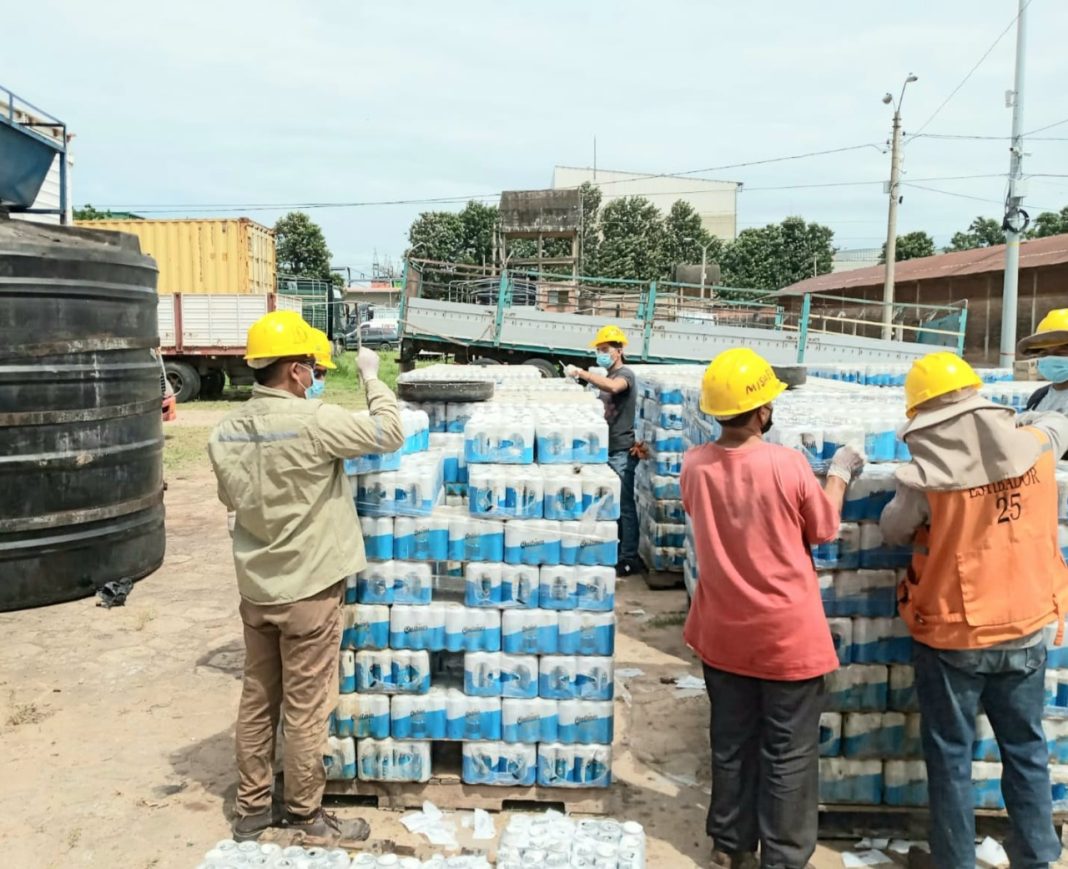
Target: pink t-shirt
{"x": 757, "y": 610}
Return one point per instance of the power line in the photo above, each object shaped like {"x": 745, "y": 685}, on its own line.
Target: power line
{"x": 640, "y": 176}
{"x": 147, "y": 208}
{"x": 968, "y": 196}
{"x": 978, "y": 63}
{"x": 1047, "y": 127}
{"x": 963, "y": 137}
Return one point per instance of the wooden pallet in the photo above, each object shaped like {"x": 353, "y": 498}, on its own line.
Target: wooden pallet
{"x": 447, "y": 791}
{"x": 851, "y": 822}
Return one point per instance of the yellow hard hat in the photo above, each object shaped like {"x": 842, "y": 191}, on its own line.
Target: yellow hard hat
{"x": 609, "y": 335}
{"x": 738, "y": 381}
{"x": 279, "y": 334}
{"x": 1051, "y": 332}
{"x": 934, "y": 375}
{"x": 324, "y": 355}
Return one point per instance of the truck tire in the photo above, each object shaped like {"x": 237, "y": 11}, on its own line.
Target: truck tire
{"x": 212, "y": 383}
{"x": 184, "y": 381}
{"x": 791, "y": 375}
{"x": 444, "y": 390}
{"x": 544, "y": 366}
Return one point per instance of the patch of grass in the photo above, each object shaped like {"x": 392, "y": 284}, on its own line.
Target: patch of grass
{"x": 73, "y": 837}
{"x": 185, "y": 447}
{"x": 667, "y": 620}
{"x": 24, "y": 713}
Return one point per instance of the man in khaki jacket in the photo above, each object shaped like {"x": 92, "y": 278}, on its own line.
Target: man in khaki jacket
{"x": 278, "y": 460}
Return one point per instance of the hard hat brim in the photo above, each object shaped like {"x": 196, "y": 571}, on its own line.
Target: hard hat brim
{"x": 1040, "y": 341}
{"x": 727, "y": 413}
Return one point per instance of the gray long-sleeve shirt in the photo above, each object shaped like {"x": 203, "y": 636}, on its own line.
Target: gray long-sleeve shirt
{"x": 909, "y": 509}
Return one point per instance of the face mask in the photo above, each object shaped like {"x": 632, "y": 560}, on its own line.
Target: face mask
{"x": 309, "y": 390}
{"x": 1054, "y": 368}
{"x": 766, "y": 427}
{"x": 605, "y": 360}
{"x": 317, "y": 388}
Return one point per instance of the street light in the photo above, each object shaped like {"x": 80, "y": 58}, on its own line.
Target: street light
{"x": 704, "y": 261}
{"x": 891, "y": 219}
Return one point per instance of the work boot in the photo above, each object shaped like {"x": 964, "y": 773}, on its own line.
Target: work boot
{"x": 630, "y": 567}
{"x": 248, "y": 827}
{"x": 737, "y": 860}
{"x": 325, "y": 830}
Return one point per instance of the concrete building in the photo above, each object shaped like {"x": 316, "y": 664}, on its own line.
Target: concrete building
{"x": 970, "y": 278}
{"x": 715, "y": 201}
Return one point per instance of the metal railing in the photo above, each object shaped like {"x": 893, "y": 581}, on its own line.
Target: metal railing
{"x": 660, "y": 302}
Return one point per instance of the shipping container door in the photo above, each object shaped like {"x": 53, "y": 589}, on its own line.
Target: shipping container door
{"x": 220, "y": 320}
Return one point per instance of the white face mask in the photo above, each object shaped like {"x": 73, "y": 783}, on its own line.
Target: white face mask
{"x": 311, "y": 386}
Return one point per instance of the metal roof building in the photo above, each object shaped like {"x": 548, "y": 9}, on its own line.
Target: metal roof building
{"x": 971, "y": 276}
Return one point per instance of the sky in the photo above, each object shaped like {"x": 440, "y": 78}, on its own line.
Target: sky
{"x": 198, "y": 108}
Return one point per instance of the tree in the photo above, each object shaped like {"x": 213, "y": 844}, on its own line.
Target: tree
{"x": 479, "y": 223}
{"x": 911, "y": 245}
{"x": 436, "y": 235}
{"x": 685, "y": 238}
{"x": 981, "y": 232}
{"x": 1049, "y": 223}
{"x": 777, "y": 255}
{"x": 631, "y": 239}
{"x": 300, "y": 247}
{"x": 590, "y": 229}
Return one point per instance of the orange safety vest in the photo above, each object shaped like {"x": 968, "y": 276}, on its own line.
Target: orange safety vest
{"x": 987, "y": 569}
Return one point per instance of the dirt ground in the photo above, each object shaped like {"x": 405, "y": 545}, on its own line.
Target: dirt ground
{"x": 117, "y": 725}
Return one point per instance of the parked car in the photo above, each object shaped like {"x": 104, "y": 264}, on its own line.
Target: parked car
{"x": 375, "y": 336}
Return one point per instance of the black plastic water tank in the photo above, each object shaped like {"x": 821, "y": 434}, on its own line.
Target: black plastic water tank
{"x": 81, "y": 438}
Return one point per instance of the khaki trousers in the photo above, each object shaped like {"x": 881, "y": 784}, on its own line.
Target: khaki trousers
{"x": 291, "y": 661}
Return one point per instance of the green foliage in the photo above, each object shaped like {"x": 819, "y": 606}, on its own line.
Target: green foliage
{"x": 981, "y": 232}
{"x": 632, "y": 236}
{"x": 300, "y": 247}
{"x": 479, "y": 223}
{"x": 87, "y": 212}
{"x": 1049, "y": 223}
{"x": 911, "y": 245}
{"x": 777, "y": 255}
{"x": 590, "y": 230}
{"x": 447, "y": 236}
{"x": 685, "y": 238}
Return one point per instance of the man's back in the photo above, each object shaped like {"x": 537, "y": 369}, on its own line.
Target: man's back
{"x": 278, "y": 463}
{"x": 756, "y": 609}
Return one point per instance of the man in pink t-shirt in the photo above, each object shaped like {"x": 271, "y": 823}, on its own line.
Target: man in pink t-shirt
{"x": 757, "y": 621}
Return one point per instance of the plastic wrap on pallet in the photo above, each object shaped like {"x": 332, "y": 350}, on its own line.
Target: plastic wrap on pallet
{"x": 830, "y": 734}
{"x": 905, "y": 783}
{"x": 502, "y": 764}
{"x": 391, "y": 760}
{"x": 847, "y": 781}
{"x": 574, "y": 766}
{"x": 858, "y": 688}
{"x": 340, "y": 758}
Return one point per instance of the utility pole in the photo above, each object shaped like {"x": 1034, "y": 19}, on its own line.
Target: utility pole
{"x": 1015, "y": 219}
{"x": 704, "y": 268}
{"x": 891, "y": 218}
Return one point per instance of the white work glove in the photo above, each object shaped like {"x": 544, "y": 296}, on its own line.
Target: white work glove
{"x": 367, "y": 364}
{"x": 572, "y": 371}
{"x": 1026, "y": 417}
{"x": 847, "y": 464}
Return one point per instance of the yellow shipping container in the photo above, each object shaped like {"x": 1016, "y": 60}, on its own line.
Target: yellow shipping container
{"x": 229, "y": 255}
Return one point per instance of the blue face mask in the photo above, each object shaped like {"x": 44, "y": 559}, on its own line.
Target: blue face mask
{"x": 1054, "y": 368}
{"x": 605, "y": 360}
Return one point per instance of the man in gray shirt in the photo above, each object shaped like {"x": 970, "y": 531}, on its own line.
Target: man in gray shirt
{"x": 978, "y": 501}
{"x": 619, "y": 394}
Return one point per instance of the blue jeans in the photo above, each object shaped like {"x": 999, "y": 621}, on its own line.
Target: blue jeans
{"x": 624, "y": 464}
{"x": 1011, "y": 685}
